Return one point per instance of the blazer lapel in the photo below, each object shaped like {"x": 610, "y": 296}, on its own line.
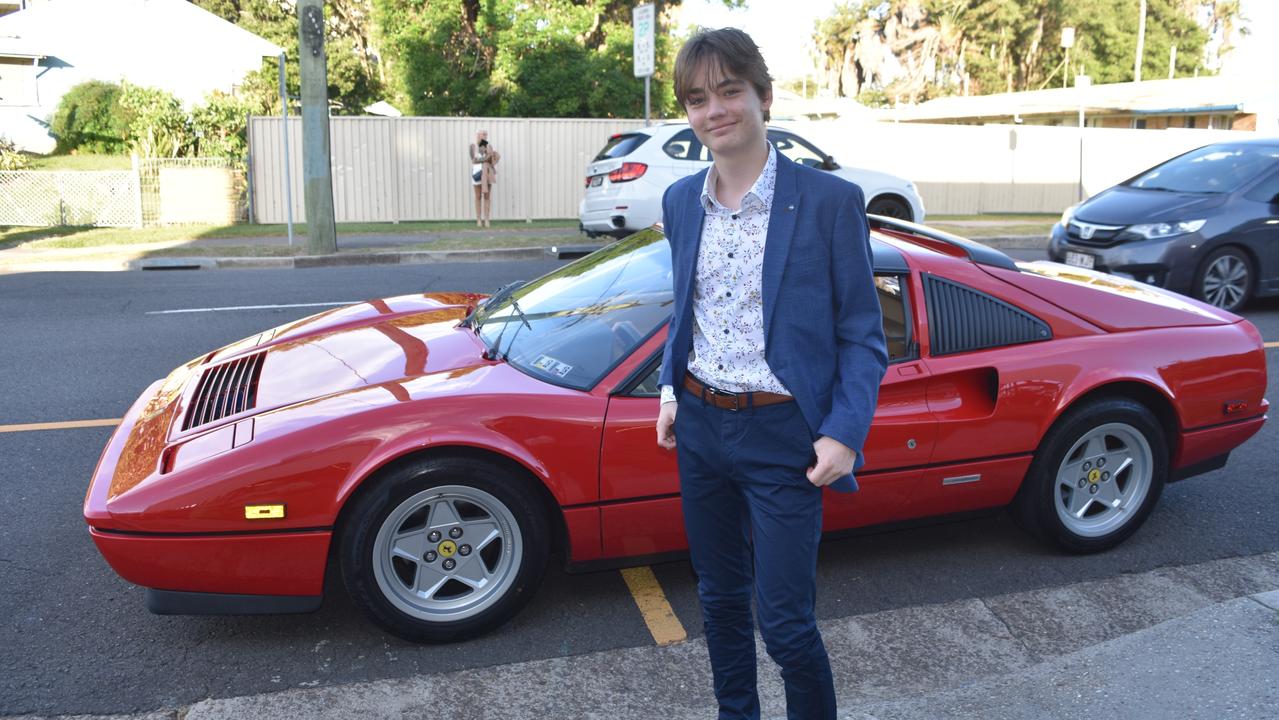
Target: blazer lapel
{"x": 781, "y": 228}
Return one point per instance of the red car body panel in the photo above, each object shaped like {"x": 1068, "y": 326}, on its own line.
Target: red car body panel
{"x": 345, "y": 393}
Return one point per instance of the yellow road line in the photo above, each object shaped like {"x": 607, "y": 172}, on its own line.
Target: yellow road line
{"x": 59, "y": 425}
{"x": 658, "y": 615}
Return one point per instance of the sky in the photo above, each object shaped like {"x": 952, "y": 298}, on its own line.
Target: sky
{"x": 782, "y": 28}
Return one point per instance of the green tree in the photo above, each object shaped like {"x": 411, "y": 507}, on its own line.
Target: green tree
{"x": 88, "y": 119}
{"x": 354, "y": 76}
{"x": 916, "y": 49}
{"x": 544, "y": 58}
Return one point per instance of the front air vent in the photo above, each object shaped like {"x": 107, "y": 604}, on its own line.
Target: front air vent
{"x": 961, "y": 319}
{"x": 225, "y": 389}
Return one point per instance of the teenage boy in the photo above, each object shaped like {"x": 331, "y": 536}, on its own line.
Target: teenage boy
{"x": 770, "y": 372}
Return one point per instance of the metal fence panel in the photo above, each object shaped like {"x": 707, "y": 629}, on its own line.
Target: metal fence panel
{"x": 65, "y": 197}
{"x": 417, "y": 168}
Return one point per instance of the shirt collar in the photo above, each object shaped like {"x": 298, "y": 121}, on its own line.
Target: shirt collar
{"x": 759, "y": 196}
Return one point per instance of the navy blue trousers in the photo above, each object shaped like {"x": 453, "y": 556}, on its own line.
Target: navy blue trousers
{"x": 754, "y": 521}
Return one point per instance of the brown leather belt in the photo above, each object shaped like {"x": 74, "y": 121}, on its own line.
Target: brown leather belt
{"x": 732, "y": 401}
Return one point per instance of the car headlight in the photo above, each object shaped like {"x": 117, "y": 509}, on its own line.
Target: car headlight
{"x": 1153, "y": 231}
{"x": 1068, "y": 213}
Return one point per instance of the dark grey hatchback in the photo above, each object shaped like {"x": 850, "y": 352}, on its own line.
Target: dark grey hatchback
{"x": 1205, "y": 224}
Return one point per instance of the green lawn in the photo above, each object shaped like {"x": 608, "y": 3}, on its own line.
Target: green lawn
{"x": 82, "y": 237}
{"x": 80, "y": 162}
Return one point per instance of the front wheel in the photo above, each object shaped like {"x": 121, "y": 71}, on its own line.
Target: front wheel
{"x": 444, "y": 549}
{"x": 1096, "y": 477}
{"x": 1225, "y": 279}
{"x": 890, "y": 207}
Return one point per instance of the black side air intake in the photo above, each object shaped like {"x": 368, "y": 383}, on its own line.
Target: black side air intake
{"x": 961, "y": 319}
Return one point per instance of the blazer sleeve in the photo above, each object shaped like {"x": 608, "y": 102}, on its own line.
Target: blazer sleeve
{"x": 667, "y": 374}
{"x": 862, "y": 355}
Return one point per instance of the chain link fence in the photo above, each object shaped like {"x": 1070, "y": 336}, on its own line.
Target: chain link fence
{"x": 107, "y": 198}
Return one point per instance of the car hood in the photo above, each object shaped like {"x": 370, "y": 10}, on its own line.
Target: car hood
{"x": 1128, "y": 206}
{"x": 377, "y": 342}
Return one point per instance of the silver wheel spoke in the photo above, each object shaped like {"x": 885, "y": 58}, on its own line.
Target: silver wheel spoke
{"x": 1109, "y": 495}
{"x": 443, "y": 514}
{"x": 481, "y": 532}
{"x": 1079, "y": 501}
{"x": 410, "y": 546}
{"x": 429, "y": 581}
{"x": 472, "y": 572}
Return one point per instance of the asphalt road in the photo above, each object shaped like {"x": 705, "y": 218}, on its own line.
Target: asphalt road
{"x": 77, "y": 639}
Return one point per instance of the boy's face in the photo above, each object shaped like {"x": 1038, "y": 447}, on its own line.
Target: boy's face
{"x": 725, "y": 112}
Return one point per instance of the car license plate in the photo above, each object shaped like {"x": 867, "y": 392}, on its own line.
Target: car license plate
{"x": 597, "y": 180}
{"x": 1083, "y": 260}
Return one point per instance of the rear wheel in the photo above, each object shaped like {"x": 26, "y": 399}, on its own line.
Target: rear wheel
{"x": 890, "y": 207}
{"x": 1225, "y": 279}
{"x": 444, "y": 549}
{"x": 1096, "y": 477}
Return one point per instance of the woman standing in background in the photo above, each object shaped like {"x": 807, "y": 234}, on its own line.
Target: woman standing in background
{"x": 483, "y": 174}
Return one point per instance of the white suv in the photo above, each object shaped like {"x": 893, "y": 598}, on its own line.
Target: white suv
{"x": 625, "y": 181}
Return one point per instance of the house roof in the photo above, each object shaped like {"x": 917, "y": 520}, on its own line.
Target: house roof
{"x": 61, "y": 27}
{"x": 1178, "y": 96}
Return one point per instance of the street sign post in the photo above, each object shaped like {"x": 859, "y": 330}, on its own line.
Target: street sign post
{"x": 643, "y": 20}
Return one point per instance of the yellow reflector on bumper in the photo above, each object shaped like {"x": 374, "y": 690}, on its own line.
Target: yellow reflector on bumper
{"x": 263, "y": 512}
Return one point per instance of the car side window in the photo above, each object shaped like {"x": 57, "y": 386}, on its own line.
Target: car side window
{"x": 894, "y": 303}
{"x": 797, "y": 150}
{"x": 684, "y": 146}
{"x": 648, "y": 387}
{"x": 1265, "y": 191}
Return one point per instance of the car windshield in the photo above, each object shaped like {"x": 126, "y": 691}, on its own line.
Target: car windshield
{"x": 573, "y": 326}
{"x": 1212, "y": 169}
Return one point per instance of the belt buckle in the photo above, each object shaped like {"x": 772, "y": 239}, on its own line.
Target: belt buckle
{"x": 737, "y": 402}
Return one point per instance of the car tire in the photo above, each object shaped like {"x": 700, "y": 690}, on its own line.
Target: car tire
{"x": 890, "y": 207}
{"x": 1071, "y": 499}
{"x": 1226, "y": 279}
{"x": 406, "y": 561}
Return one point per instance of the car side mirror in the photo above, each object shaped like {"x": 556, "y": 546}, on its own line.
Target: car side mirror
{"x": 828, "y": 163}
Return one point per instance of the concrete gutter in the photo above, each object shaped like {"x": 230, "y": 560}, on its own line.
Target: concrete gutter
{"x": 33, "y": 262}
{"x": 1199, "y": 641}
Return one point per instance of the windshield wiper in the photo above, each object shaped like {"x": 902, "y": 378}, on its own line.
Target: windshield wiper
{"x": 497, "y": 295}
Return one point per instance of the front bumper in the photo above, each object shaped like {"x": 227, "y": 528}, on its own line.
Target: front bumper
{"x": 1168, "y": 262}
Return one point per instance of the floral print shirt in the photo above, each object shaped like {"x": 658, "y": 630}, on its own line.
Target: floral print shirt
{"x": 728, "y": 298}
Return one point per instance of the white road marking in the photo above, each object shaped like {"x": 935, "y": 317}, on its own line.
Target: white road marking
{"x": 250, "y": 307}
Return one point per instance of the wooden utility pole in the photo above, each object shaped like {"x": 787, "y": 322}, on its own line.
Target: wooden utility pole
{"x": 317, "y": 169}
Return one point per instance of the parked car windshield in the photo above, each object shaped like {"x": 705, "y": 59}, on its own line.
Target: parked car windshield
{"x": 573, "y": 326}
{"x": 1212, "y": 169}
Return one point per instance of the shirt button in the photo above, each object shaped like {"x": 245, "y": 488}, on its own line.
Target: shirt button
{"x": 736, "y": 217}
{"x": 730, "y": 255}
{"x": 721, "y": 367}
{"x": 729, "y": 294}
{"x": 725, "y": 331}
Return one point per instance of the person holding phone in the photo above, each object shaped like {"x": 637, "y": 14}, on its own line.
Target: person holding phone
{"x": 483, "y": 174}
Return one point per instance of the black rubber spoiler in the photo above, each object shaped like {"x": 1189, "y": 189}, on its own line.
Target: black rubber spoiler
{"x": 978, "y": 253}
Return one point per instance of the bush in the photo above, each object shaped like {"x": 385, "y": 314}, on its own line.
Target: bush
{"x": 219, "y": 126}
{"x": 88, "y": 119}
{"x": 10, "y": 157}
{"x": 158, "y": 126}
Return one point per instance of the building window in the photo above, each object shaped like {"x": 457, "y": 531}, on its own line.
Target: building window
{"x": 1190, "y": 121}
{"x": 1139, "y": 123}
{"x": 17, "y": 82}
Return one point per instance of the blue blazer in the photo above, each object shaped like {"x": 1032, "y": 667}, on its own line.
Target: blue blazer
{"x": 823, "y": 331}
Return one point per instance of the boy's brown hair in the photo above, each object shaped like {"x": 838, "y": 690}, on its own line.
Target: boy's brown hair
{"x": 724, "y": 52}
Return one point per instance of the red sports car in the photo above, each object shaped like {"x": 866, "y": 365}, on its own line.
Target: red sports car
{"x": 444, "y": 445}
